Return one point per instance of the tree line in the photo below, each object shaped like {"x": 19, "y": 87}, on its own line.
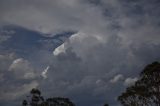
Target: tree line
{"x": 145, "y": 92}
{"x": 36, "y": 99}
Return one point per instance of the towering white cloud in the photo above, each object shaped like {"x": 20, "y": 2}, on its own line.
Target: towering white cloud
{"x": 22, "y": 69}
{"x": 130, "y": 81}
{"x": 17, "y": 77}
{"x": 58, "y": 50}
{"x": 117, "y": 78}
{"x": 115, "y": 40}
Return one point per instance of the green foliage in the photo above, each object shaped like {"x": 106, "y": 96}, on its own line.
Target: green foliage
{"x": 146, "y": 91}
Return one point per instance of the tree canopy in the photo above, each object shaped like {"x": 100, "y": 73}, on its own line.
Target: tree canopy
{"x": 145, "y": 91}
{"x": 37, "y": 100}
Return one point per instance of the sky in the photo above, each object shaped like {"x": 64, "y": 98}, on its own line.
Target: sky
{"x": 86, "y": 50}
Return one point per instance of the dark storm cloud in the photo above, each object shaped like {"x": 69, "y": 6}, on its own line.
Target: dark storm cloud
{"x": 115, "y": 40}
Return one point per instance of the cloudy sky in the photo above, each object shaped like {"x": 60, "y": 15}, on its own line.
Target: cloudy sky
{"x": 87, "y": 50}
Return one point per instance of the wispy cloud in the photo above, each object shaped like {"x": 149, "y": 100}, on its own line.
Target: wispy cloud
{"x": 44, "y": 73}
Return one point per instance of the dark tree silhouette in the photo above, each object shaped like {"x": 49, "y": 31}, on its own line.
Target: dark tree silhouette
{"x": 106, "y": 104}
{"x": 58, "y": 101}
{"x": 146, "y": 91}
{"x": 24, "y": 103}
{"x": 37, "y": 100}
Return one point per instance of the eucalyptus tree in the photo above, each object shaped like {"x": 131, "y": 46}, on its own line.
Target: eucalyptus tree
{"x": 106, "y": 104}
{"x": 146, "y": 91}
{"x": 35, "y": 99}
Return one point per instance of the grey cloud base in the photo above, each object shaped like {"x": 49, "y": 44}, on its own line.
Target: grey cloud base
{"x": 114, "y": 41}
